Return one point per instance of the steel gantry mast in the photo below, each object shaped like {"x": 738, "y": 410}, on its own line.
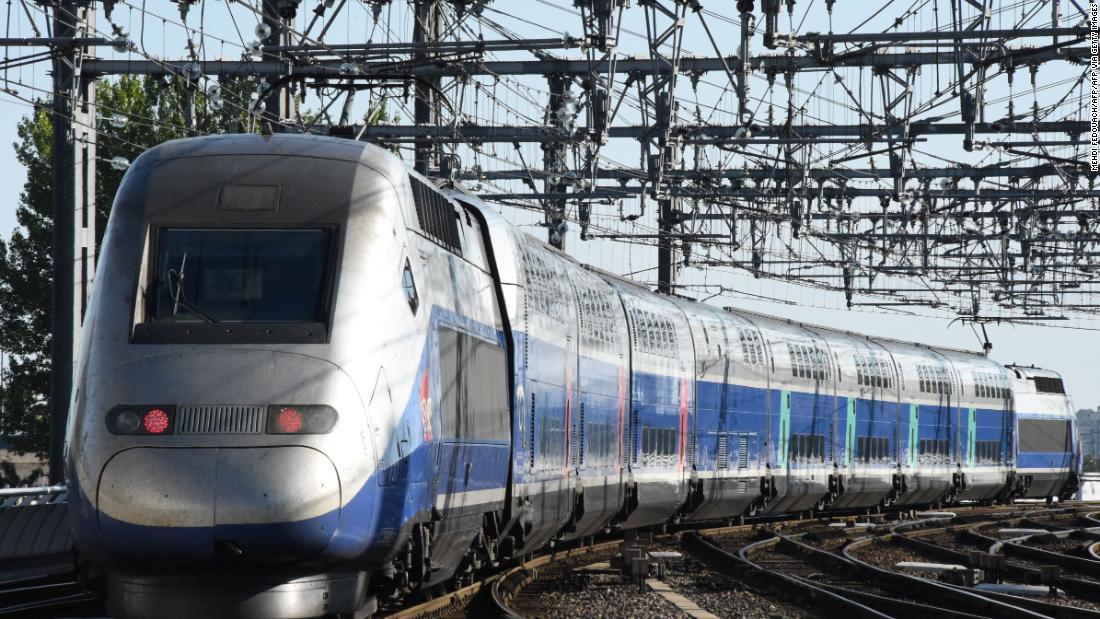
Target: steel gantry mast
{"x": 73, "y": 249}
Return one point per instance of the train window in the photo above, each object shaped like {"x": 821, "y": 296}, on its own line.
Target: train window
{"x": 597, "y": 321}
{"x": 987, "y": 452}
{"x": 612, "y": 442}
{"x": 207, "y": 275}
{"x": 593, "y": 451}
{"x": 408, "y": 284}
{"x": 934, "y": 379}
{"x": 1046, "y": 384}
{"x": 600, "y": 444}
{"x": 1045, "y": 435}
{"x": 604, "y": 444}
{"x": 544, "y": 289}
{"x": 472, "y": 374}
{"x": 872, "y": 371}
{"x": 752, "y": 347}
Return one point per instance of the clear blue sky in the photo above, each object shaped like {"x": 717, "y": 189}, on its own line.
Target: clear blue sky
{"x": 1070, "y": 351}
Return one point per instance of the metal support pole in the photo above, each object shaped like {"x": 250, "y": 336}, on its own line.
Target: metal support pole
{"x": 666, "y": 219}
{"x": 554, "y": 160}
{"x": 748, "y": 24}
{"x": 278, "y": 15}
{"x": 426, "y": 29}
{"x": 73, "y": 250}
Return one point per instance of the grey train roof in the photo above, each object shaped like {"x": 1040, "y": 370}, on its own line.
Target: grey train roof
{"x": 384, "y": 161}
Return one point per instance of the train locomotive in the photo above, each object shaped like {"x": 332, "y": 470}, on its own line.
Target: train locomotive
{"x": 312, "y": 380}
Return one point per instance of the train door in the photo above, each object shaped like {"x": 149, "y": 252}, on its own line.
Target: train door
{"x": 684, "y": 429}
{"x": 850, "y": 453}
{"x": 1008, "y": 446}
{"x": 448, "y": 459}
{"x": 869, "y": 418}
{"x": 708, "y": 418}
{"x": 783, "y": 440}
{"x": 953, "y": 400}
{"x": 893, "y": 395}
{"x": 912, "y": 436}
{"x": 474, "y": 444}
{"x": 834, "y": 409}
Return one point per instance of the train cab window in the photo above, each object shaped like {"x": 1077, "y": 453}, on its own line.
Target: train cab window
{"x": 201, "y": 279}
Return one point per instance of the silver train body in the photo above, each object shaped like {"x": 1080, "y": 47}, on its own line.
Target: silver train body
{"x": 311, "y": 381}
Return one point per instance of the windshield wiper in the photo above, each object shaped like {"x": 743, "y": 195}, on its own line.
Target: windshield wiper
{"x": 179, "y": 299}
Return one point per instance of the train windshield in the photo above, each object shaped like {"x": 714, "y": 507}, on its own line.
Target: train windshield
{"x": 211, "y": 276}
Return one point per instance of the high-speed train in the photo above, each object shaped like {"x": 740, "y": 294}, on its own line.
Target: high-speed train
{"x": 312, "y": 380}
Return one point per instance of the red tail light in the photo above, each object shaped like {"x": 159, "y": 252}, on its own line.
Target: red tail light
{"x": 300, "y": 419}
{"x": 137, "y": 420}
{"x": 288, "y": 421}
{"x": 155, "y": 421}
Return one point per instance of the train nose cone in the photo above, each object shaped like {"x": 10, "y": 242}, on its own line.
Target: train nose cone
{"x": 186, "y": 506}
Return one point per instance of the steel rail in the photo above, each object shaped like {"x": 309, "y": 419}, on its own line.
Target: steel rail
{"x": 994, "y": 604}
{"x": 831, "y": 601}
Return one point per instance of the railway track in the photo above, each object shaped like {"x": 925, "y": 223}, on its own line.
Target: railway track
{"x": 49, "y": 595}
{"x": 816, "y": 570}
{"x": 954, "y": 545}
{"x": 782, "y": 567}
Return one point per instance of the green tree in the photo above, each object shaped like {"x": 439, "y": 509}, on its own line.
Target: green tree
{"x": 134, "y": 114}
